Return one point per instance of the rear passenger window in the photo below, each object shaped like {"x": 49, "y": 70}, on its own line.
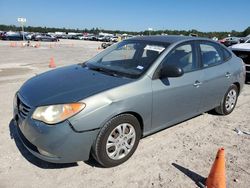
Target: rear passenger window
{"x": 183, "y": 56}
{"x": 210, "y": 54}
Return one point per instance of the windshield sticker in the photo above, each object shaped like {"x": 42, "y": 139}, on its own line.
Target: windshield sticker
{"x": 154, "y": 48}
{"x": 140, "y": 67}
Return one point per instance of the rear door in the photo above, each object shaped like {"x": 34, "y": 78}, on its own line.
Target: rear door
{"x": 176, "y": 99}
{"x": 216, "y": 75}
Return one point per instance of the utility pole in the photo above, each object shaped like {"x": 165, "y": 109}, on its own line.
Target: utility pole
{"x": 150, "y": 29}
{"x": 22, "y": 21}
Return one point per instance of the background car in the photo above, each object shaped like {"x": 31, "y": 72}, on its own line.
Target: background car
{"x": 114, "y": 39}
{"x": 230, "y": 41}
{"x": 13, "y": 36}
{"x": 2, "y": 34}
{"x": 45, "y": 37}
{"x": 76, "y": 36}
{"x": 89, "y": 37}
{"x": 243, "y": 51}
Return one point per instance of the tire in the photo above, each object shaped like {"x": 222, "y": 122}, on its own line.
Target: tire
{"x": 112, "y": 152}
{"x": 104, "y": 45}
{"x": 229, "y": 101}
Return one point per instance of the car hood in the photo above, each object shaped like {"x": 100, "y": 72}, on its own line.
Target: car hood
{"x": 242, "y": 46}
{"x": 68, "y": 84}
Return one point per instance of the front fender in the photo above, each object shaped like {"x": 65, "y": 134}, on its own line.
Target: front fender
{"x": 102, "y": 107}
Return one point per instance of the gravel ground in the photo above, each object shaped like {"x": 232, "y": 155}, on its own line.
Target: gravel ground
{"x": 180, "y": 156}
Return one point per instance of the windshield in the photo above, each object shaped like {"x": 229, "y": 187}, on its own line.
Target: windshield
{"x": 129, "y": 58}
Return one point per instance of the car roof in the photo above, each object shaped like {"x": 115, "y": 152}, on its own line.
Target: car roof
{"x": 166, "y": 38}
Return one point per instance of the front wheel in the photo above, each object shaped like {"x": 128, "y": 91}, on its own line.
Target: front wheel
{"x": 229, "y": 101}
{"x": 117, "y": 140}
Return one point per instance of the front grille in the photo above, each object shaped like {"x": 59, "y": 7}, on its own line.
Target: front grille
{"x": 23, "y": 108}
{"x": 247, "y": 68}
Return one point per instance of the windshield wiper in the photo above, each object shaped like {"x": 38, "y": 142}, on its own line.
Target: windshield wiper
{"x": 103, "y": 70}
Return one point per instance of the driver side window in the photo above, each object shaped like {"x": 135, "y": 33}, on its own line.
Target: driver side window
{"x": 183, "y": 56}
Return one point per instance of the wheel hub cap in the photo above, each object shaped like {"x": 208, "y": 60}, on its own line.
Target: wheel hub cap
{"x": 231, "y": 100}
{"x": 120, "y": 141}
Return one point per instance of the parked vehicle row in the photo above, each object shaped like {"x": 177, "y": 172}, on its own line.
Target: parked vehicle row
{"x": 102, "y": 38}
{"x": 27, "y": 36}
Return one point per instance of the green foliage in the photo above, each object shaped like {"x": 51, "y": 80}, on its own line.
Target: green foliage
{"x": 157, "y": 32}
{"x": 246, "y": 32}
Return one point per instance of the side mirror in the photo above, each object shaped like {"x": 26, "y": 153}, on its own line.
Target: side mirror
{"x": 171, "y": 71}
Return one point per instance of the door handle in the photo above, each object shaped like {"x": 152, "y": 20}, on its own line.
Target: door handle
{"x": 228, "y": 74}
{"x": 197, "y": 83}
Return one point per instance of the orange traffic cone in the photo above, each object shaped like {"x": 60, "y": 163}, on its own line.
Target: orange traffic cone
{"x": 217, "y": 175}
{"x": 13, "y": 44}
{"x": 52, "y": 63}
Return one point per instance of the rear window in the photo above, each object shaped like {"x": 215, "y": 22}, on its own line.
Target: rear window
{"x": 210, "y": 54}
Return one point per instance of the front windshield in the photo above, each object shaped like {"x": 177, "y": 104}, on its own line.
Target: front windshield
{"x": 129, "y": 58}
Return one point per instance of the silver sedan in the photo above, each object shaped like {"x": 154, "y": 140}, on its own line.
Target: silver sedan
{"x": 134, "y": 88}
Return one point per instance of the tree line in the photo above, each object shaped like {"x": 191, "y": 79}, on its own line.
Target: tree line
{"x": 146, "y": 32}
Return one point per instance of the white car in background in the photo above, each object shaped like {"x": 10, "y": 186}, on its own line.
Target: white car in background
{"x": 242, "y": 46}
{"x": 242, "y": 50}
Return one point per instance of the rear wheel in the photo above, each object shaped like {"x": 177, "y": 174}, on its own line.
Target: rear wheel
{"x": 117, "y": 140}
{"x": 229, "y": 101}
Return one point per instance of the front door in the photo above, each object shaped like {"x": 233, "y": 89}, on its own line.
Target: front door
{"x": 176, "y": 99}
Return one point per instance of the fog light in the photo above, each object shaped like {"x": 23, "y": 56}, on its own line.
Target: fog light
{"x": 45, "y": 153}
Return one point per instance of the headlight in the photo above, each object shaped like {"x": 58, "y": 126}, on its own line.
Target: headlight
{"x": 57, "y": 113}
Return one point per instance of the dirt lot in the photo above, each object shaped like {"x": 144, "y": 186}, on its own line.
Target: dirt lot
{"x": 179, "y": 156}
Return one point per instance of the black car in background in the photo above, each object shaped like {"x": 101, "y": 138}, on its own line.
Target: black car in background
{"x": 45, "y": 37}
{"x": 12, "y": 36}
{"x": 2, "y": 33}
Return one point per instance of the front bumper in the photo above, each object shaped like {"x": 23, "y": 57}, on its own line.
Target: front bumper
{"x": 60, "y": 141}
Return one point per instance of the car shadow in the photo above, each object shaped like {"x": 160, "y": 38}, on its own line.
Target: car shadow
{"x": 93, "y": 163}
{"x": 198, "y": 179}
{"x": 213, "y": 112}
{"x": 31, "y": 158}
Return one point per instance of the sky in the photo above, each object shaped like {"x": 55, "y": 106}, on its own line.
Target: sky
{"x": 130, "y": 15}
